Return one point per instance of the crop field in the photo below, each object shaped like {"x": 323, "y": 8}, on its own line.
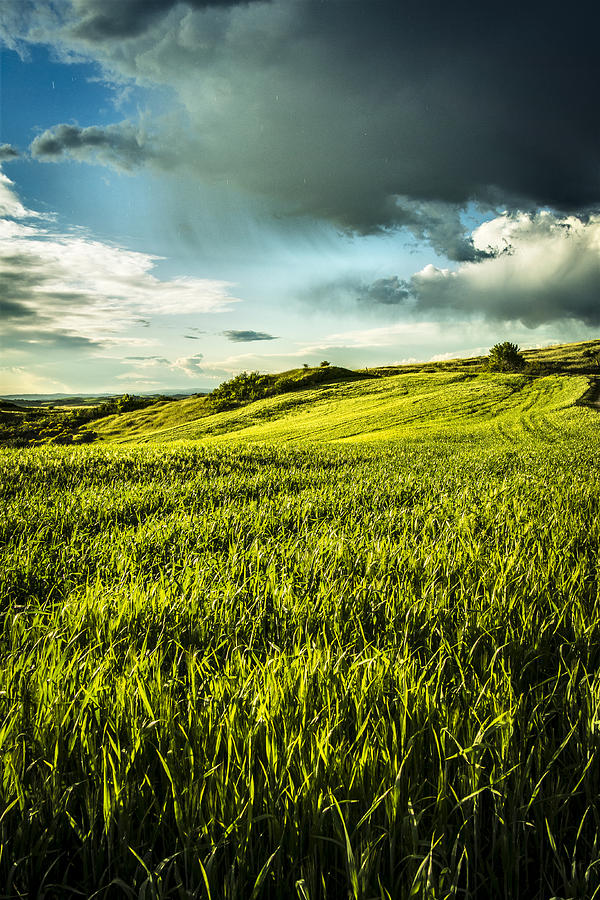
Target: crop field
{"x": 363, "y": 669}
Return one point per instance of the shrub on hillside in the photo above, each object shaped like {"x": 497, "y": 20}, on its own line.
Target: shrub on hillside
{"x": 506, "y": 357}
{"x": 243, "y": 388}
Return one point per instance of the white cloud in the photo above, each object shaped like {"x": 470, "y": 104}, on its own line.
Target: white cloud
{"x": 546, "y": 268}
{"x": 189, "y": 365}
{"x": 460, "y": 354}
{"x": 68, "y": 285}
{"x": 10, "y": 205}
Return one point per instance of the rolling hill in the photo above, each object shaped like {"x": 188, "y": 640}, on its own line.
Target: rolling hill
{"x": 454, "y": 398}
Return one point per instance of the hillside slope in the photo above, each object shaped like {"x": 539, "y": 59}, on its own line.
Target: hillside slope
{"x": 375, "y": 409}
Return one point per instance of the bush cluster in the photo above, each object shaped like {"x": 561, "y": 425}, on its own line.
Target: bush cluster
{"x": 243, "y": 388}
{"x": 40, "y": 425}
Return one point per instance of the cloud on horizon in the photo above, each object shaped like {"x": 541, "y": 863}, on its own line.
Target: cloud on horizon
{"x": 546, "y": 268}
{"x": 152, "y": 369}
{"x": 534, "y": 268}
{"x": 189, "y": 365}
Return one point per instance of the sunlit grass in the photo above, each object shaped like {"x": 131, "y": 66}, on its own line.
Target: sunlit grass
{"x": 281, "y": 672}
{"x": 379, "y": 409}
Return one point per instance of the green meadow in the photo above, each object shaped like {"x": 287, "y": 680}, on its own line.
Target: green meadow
{"x": 381, "y": 409}
{"x": 341, "y": 642}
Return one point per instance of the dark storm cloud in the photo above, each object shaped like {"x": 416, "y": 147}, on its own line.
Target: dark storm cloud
{"x": 109, "y": 19}
{"x": 64, "y": 340}
{"x": 353, "y": 290}
{"x": 242, "y": 337}
{"x": 549, "y": 300}
{"x": 388, "y": 291}
{"x": 337, "y": 109}
{"x": 369, "y": 115}
{"x": 8, "y": 152}
{"x": 440, "y": 224}
{"x": 12, "y": 309}
{"x": 120, "y": 145}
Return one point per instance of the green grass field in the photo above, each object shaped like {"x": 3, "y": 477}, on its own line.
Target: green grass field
{"x": 380, "y": 409}
{"x": 347, "y": 644}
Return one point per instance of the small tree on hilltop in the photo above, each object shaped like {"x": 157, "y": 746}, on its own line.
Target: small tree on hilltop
{"x": 506, "y": 357}
{"x": 325, "y": 363}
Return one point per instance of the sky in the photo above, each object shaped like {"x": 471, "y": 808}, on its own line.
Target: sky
{"x": 193, "y": 189}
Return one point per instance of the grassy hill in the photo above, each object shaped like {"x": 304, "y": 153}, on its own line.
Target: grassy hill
{"x": 328, "y": 403}
{"x": 582, "y": 358}
{"x": 370, "y": 409}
